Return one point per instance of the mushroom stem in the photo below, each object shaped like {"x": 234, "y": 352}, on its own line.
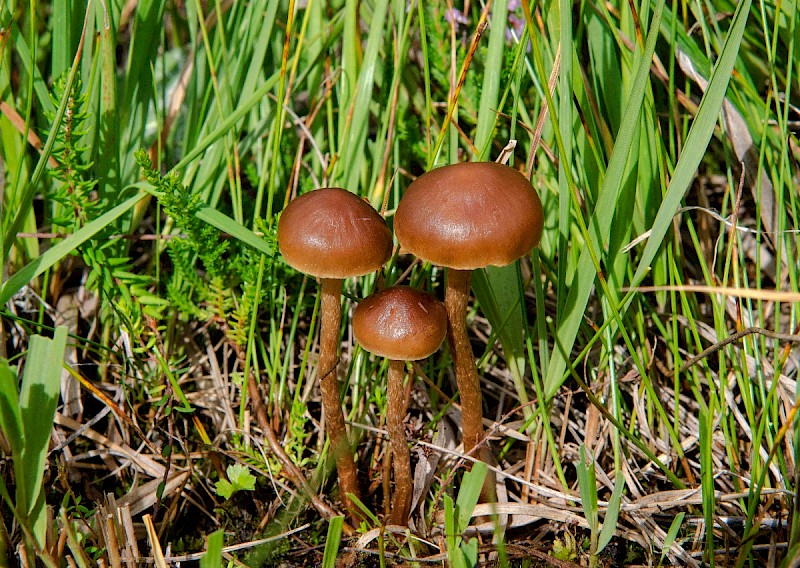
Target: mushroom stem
{"x": 331, "y": 314}
{"x": 469, "y": 386}
{"x": 396, "y": 407}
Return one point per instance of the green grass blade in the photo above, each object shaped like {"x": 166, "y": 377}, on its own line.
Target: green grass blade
{"x": 62, "y": 32}
{"x": 280, "y": 112}
{"x": 587, "y": 484}
{"x": 567, "y": 150}
{"x": 355, "y": 131}
{"x": 499, "y": 292}
{"x": 234, "y": 229}
{"x": 697, "y": 140}
{"x": 469, "y": 552}
{"x": 24, "y": 58}
{"x": 468, "y": 495}
{"x": 62, "y": 249}
{"x": 453, "y": 534}
{"x": 29, "y": 189}
{"x": 73, "y": 543}
{"x": 351, "y": 47}
{"x": 107, "y": 165}
{"x": 368, "y": 515}
{"x": 612, "y": 514}
{"x": 41, "y": 385}
{"x": 10, "y": 419}
{"x": 212, "y": 558}
{"x": 601, "y": 221}
{"x": 672, "y": 533}
{"x": 144, "y": 44}
{"x": 487, "y": 111}
{"x": 707, "y": 478}
{"x": 332, "y": 542}
{"x": 242, "y": 109}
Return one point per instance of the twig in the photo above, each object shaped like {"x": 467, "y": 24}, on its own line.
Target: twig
{"x": 290, "y": 469}
{"x": 736, "y": 337}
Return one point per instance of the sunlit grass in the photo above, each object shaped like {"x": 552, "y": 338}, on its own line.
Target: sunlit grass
{"x": 662, "y": 139}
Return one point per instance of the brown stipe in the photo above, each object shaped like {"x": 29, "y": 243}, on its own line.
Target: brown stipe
{"x": 332, "y": 234}
{"x": 463, "y": 217}
{"x": 401, "y": 324}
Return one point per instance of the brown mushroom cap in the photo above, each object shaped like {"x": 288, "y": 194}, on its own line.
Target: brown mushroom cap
{"x": 400, "y": 323}
{"x": 332, "y": 233}
{"x": 470, "y": 215}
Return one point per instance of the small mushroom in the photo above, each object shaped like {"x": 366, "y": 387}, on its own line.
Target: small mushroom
{"x": 463, "y": 217}
{"x": 401, "y": 324}
{"x": 332, "y": 234}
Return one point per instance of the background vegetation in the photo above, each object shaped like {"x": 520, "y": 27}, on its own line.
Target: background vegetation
{"x": 639, "y": 368}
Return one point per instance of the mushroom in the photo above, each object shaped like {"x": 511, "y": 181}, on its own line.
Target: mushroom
{"x": 401, "y": 324}
{"x": 332, "y": 234}
{"x": 463, "y": 217}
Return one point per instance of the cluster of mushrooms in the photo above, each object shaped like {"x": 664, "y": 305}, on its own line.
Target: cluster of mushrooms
{"x": 462, "y": 217}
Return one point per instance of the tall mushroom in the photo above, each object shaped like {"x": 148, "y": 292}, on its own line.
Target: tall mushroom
{"x": 463, "y": 217}
{"x": 332, "y": 234}
{"x": 401, "y": 324}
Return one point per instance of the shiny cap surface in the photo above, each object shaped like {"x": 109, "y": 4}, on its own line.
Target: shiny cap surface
{"x": 333, "y": 233}
{"x": 470, "y": 215}
{"x": 400, "y": 323}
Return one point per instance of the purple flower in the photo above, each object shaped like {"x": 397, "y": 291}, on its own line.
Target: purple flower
{"x": 454, "y": 16}
{"x": 516, "y": 25}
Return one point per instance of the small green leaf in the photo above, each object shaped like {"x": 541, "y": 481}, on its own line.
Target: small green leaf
{"x": 224, "y": 489}
{"x": 241, "y": 478}
{"x": 565, "y": 549}
{"x": 672, "y": 533}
